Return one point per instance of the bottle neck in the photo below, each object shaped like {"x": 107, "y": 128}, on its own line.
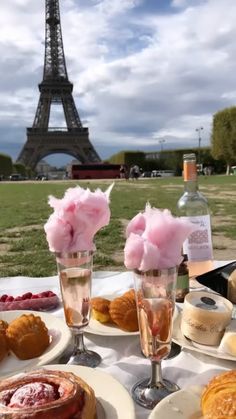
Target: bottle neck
{"x": 190, "y": 186}
{"x": 190, "y": 176}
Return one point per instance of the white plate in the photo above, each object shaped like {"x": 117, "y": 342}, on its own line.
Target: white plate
{"x": 96, "y": 328}
{"x": 179, "y": 338}
{"x": 183, "y": 404}
{"x": 114, "y": 398}
{"x": 60, "y": 338}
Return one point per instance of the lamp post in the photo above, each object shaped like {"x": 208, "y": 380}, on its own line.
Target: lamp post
{"x": 198, "y": 130}
{"x": 161, "y": 142}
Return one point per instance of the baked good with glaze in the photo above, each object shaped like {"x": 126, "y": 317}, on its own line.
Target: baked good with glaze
{"x": 123, "y": 312}
{"x": 3, "y": 339}
{"x": 100, "y": 309}
{"x": 27, "y": 336}
{"x": 218, "y": 399}
{"x": 45, "y": 394}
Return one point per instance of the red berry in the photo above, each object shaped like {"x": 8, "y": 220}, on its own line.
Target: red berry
{"x": 3, "y": 298}
{"x": 9, "y": 298}
{"x": 27, "y": 296}
{"x": 34, "y": 296}
{"x": 43, "y": 294}
{"x": 18, "y": 298}
{"x": 51, "y": 294}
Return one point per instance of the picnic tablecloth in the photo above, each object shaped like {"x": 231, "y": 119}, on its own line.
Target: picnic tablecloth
{"x": 121, "y": 355}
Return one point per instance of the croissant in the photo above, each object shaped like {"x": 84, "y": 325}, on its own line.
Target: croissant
{"x": 100, "y": 309}
{"x": 45, "y": 394}
{"x": 27, "y": 336}
{"x": 218, "y": 399}
{"x": 123, "y": 312}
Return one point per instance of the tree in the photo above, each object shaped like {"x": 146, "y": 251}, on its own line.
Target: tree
{"x": 223, "y": 138}
{"x": 5, "y": 165}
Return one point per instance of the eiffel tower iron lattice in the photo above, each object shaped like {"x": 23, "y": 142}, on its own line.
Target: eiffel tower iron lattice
{"x": 56, "y": 88}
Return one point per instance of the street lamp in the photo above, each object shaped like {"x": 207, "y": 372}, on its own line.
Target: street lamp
{"x": 161, "y": 142}
{"x": 198, "y": 130}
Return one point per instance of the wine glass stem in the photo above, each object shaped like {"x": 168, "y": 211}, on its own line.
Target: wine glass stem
{"x": 156, "y": 374}
{"x": 79, "y": 345}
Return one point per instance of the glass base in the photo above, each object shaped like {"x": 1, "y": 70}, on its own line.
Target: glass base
{"x": 86, "y": 359}
{"x": 147, "y": 395}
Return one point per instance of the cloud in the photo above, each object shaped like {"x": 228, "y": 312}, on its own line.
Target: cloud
{"x": 141, "y": 70}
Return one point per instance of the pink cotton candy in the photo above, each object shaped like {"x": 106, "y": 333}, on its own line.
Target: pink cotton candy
{"x": 162, "y": 235}
{"x": 77, "y": 217}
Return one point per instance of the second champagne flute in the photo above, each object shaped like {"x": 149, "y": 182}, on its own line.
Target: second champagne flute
{"x": 75, "y": 275}
{"x": 155, "y": 296}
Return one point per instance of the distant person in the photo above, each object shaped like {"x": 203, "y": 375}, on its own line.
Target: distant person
{"x": 136, "y": 171}
{"x": 122, "y": 171}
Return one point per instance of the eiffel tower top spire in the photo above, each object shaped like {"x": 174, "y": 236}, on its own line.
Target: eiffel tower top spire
{"x": 54, "y": 60}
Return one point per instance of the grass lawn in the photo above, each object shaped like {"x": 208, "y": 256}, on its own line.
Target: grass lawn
{"x": 24, "y": 210}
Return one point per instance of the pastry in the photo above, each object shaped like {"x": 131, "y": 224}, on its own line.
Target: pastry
{"x": 100, "y": 309}
{"x": 27, "y": 336}
{"x": 218, "y": 399}
{"x": 123, "y": 312}
{"x": 3, "y": 339}
{"x": 46, "y": 394}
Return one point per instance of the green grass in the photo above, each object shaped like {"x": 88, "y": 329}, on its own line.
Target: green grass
{"x": 24, "y": 211}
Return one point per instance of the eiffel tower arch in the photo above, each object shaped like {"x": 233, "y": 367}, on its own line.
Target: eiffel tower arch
{"x": 56, "y": 89}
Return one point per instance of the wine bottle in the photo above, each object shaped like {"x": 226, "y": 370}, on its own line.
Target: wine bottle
{"x": 193, "y": 206}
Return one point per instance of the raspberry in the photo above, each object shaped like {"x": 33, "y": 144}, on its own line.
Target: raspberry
{"x": 51, "y": 294}
{"x": 19, "y": 298}
{"x": 43, "y": 294}
{"x": 10, "y": 298}
{"x": 27, "y": 296}
{"x": 3, "y": 298}
{"x": 35, "y": 296}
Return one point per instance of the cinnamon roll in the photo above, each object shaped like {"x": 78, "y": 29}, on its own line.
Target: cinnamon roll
{"x": 45, "y": 394}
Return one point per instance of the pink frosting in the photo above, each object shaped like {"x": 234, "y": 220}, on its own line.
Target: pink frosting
{"x": 155, "y": 239}
{"x": 33, "y": 394}
{"x": 77, "y": 217}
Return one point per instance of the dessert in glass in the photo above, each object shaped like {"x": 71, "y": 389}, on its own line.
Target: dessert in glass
{"x": 153, "y": 252}
{"x": 70, "y": 232}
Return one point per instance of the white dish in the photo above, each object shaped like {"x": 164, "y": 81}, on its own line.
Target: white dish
{"x": 184, "y": 404}
{"x": 60, "y": 338}
{"x": 179, "y": 338}
{"x": 96, "y": 328}
{"x": 111, "y": 395}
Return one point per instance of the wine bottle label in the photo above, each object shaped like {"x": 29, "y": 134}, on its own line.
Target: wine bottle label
{"x": 198, "y": 246}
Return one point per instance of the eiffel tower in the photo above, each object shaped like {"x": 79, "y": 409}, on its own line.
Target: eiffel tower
{"x": 56, "y": 89}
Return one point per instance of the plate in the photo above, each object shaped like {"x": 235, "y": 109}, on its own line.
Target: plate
{"x": 60, "y": 338}
{"x": 96, "y": 328}
{"x": 184, "y": 404}
{"x": 179, "y": 338}
{"x": 111, "y": 395}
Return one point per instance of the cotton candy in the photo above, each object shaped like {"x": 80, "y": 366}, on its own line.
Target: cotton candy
{"x": 162, "y": 236}
{"x": 77, "y": 217}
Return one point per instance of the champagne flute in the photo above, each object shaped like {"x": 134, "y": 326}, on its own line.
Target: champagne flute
{"x": 155, "y": 297}
{"x": 75, "y": 274}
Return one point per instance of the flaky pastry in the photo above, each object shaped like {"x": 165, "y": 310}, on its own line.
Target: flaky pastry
{"x": 218, "y": 399}
{"x": 100, "y": 309}
{"x": 123, "y": 312}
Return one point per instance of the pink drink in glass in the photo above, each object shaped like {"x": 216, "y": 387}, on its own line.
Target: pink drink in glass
{"x": 76, "y": 290}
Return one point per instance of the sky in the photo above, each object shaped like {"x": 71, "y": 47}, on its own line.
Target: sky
{"x": 146, "y": 73}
